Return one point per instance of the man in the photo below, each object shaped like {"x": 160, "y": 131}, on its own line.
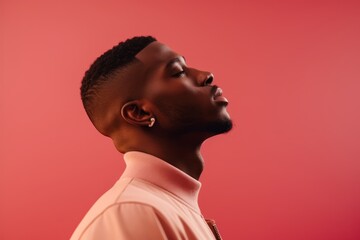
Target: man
{"x": 158, "y": 111}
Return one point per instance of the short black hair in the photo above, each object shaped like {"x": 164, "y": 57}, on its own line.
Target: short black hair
{"x": 104, "y": 66}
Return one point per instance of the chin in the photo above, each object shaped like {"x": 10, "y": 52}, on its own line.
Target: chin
{"x": 206, "y": 128}
{"x": 220, "y": 127}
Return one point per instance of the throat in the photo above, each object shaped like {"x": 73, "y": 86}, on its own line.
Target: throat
{"x": 183, "y": 153}
{"x": 188, "y": 161}
{"x": 186, "y": 158}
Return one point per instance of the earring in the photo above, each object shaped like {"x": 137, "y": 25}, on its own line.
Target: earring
{"x": 152, "y": 122}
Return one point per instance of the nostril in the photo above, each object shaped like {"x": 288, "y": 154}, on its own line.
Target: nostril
{"x": 209, "y": 79}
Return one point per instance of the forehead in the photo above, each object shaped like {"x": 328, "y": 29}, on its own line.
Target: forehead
{"x": 156, "y": 53}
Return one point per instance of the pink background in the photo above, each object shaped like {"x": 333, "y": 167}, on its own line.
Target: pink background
{"x": 290, "y": 169}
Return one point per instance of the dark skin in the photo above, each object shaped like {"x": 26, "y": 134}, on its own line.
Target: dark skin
{"x": 186, "y": 107}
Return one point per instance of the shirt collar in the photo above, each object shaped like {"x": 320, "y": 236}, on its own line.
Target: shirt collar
{"x": 156, "y": 171}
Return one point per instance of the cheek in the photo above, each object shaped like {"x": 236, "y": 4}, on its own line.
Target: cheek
{"x": 177, "y": 108}
{"x": 180, "y": 97}
{"x": 184, "y": 98}
{"x": 176, "y": 91}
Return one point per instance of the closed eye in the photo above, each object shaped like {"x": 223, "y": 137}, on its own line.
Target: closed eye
{"x": 179, "y": 74}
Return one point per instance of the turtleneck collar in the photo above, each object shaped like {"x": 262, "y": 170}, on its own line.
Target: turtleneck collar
{"x": 156, "y": 171}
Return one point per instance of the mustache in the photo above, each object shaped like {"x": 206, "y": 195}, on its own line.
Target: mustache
{"x": 213, "y": 89}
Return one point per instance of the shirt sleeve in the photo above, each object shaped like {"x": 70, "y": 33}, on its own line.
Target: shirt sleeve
{"x": 127, "y": 221}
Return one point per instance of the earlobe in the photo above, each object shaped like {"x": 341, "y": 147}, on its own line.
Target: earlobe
{"x": 133, "y": 112}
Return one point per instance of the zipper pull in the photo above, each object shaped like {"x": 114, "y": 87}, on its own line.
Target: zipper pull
{"x": 214, "y": 229}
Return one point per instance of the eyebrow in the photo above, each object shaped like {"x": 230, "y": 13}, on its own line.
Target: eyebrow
{"x": 175, "y": 60}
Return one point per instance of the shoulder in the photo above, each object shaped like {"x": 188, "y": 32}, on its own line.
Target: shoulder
{"x": 127, "y": 191}
{"x": 127, "y": 207}
{"x": 126, "y": 220}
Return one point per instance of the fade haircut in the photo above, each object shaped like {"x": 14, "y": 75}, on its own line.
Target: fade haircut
{"x": 106, "y": 65}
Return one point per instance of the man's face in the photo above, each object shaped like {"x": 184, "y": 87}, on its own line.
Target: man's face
{"x": 183, "y": 99}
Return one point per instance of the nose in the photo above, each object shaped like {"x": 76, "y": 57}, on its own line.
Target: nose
{"x": 208, "y": 79}
{"x": 203, "y": 78}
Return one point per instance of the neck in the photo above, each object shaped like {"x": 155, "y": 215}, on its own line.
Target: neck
{"x": 182, "y": 153}
{"x": 186, "y": 158}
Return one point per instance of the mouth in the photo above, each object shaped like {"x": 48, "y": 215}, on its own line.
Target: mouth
{"x": 218, "y": 97}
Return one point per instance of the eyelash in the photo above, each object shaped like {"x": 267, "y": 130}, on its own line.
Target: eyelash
{"x": 179, "y": 74}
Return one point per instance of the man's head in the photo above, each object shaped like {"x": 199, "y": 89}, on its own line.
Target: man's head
{"x": 109, "y": 71}
{"x": 142, "y": 79}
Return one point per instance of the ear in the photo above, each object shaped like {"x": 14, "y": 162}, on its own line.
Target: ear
{"x": 136, "y": 113}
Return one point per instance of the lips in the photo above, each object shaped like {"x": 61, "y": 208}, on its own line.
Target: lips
{"x": 218, "y": 97}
